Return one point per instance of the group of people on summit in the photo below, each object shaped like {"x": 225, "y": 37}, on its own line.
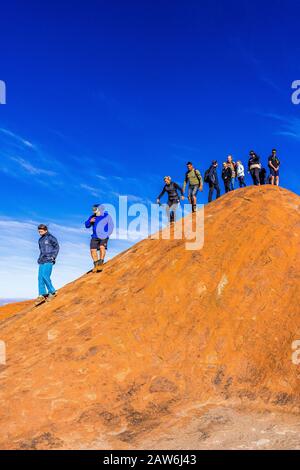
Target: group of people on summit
{"x": 102, "y": 224}
{"x": 231, "y": 172}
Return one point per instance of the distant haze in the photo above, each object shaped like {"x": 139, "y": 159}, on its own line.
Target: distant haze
{"x": 10, "y": 301}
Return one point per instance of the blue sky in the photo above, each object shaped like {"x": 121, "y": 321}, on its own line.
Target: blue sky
{"x": 105, "y": 98}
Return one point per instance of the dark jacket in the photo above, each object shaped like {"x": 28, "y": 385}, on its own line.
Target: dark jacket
{"x": 253, "y": 160}
{"x": 172, "y": 191}
{"x": 213, "y": 175}
{"x": 226, "y": 173}
{"x": 49, "y": 249}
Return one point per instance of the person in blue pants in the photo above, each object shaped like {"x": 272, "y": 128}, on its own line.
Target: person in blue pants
{"x": 49, "y": 249}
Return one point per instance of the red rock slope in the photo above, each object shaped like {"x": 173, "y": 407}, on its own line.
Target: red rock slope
{"x": 161, "y": 328}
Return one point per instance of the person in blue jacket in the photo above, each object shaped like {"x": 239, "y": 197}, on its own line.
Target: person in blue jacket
{"x": 102, "y": 225}
{"x": 49, "y": 249}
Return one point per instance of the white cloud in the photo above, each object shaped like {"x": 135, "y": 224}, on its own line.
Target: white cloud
{"x": 90, "y": 189}
{"x": 290, "y": 125}
{"x": 31, "y": 169}
{"x": 130, "y": 197}
{"x": 17, "y": 138}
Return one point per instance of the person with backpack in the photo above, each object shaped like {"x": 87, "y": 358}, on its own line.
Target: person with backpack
{"x": 194, "y": 179}
{"x": 49, "y": 249}
{"x": 274, "y": 164}
{"x": 211, "y": 177}
{"x": 254, "y": 167}
{"x": 232, "y": 165}
{"x": 103, "y": 226}
{"x": 172, "y": 189}
{"x": 227, "y": 176}
{"x": 240, "y": 173}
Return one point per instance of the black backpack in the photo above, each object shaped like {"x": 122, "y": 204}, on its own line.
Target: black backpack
{"x": 206, "y": 176}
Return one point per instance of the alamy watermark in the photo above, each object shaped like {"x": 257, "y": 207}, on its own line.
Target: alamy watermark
{"x": 2, "y": 92}
{"x": 296, "y": 93}
{"x": 153, "y": 221}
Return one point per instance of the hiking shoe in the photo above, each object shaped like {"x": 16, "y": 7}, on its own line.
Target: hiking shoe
{"x": 100, "y": 265}
{"x": 94, "y": 270}
{"x": 40, "y": 300}
{"x": 51, "y": 296}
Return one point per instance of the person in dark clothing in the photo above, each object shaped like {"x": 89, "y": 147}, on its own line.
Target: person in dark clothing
{"x": 262, "y": 176}
{"x": 274, "y": 164}
{"x": 254, "y": 167}
{"x": 172, "y": 189}
{"x": 227, "y": 176}
{"x": 213, "y": 181}
{"x": 49, "y": 249}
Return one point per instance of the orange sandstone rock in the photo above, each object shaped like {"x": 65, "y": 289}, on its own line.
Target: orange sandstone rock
{"x": 161, "y": 328}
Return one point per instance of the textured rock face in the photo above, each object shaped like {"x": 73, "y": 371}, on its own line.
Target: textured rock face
{"x": 116, "y": 353}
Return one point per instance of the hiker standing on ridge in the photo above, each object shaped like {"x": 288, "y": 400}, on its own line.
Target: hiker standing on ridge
{"x": 49, "y": 249}
{"x": 211, "y": 177}
{"x": 194, "y": 179}
{"x": 232, "y": 165}
{"x": 226, "y": 176}
{"x": 240, "y": 173}
{"x": 171, "y": 188}
{"x": 274, "y": 164}
{"x": 254, "y": 167}
{"x": 103, "y": 226}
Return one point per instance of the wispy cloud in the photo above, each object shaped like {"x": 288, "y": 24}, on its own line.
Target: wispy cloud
{"x": 257, "y": 63}
{"x": 130, "y": 197}
{"x": 100, "y": 178}
{"x": 30, "y": 168}
{"x": 90, "y": 189}
{"x": 18, "y": 271}
{"x": 17, "y": 138}
{"x": 289, "y": 125}
{"x": 22, "y": 159}
{"x": 103, "y": 178}
{"x": 270, "y": 83}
